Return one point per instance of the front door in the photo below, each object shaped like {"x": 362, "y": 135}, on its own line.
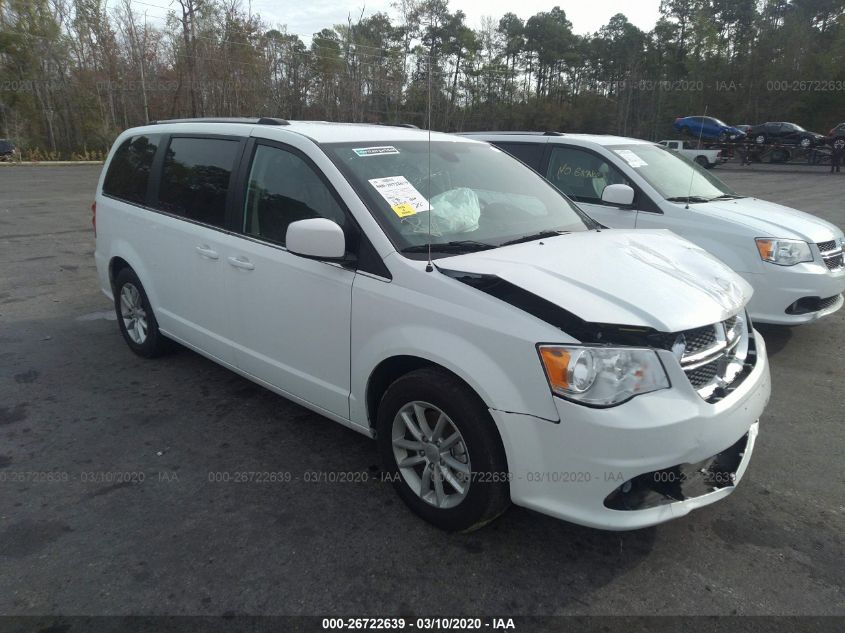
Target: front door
{"x": 582, "y": 175}
{"x": 291, "y": 314}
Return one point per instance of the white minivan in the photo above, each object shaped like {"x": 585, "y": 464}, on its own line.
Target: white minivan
{"x": 441, "y": 297}
{"x": 793, "y": 260}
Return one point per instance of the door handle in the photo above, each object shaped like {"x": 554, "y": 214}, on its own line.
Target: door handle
{"x": 241, "y": 262}
{"x": 205, "y": 251}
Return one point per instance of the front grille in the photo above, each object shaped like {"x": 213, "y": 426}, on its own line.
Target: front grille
{"x": 716, "y": 358}
{"x": 703, "y": 375}
{"x": 831, "y": 254}
{"x": 699, "y": 339}
{"x": 834, "y": 263}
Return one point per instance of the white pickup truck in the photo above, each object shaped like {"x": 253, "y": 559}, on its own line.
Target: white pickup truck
{"x": 705, "y": 157}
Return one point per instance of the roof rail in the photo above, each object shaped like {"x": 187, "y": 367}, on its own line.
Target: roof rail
{"x": 513, "y": 133}
{"x": 264, "y": 120}
{"x": 408, "y": 125}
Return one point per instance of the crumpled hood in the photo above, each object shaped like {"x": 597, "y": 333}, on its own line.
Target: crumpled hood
{"x": 650, "y": 278}
{"x": 768, "y": 219}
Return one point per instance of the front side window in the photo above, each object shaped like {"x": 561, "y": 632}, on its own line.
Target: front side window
{"x": 674, "y": 176}
{"x": 473, "y": 195}
{"x": 582, "y": 175}
{"x": 195, "y": 179}
{"x": 283, "y": 188}
{"x": 129, "y": 169}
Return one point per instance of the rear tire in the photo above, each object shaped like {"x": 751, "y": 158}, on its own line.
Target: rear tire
{"x": 702, "y": 160}
{"x": 135, "y": 317}
{"x": 454, "y": 472}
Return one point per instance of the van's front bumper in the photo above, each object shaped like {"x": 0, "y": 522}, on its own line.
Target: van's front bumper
{"x": 793, "y": 295}
{"x": 568, "y": 469}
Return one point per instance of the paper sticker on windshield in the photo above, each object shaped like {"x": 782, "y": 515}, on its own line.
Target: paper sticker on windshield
{"x": 375, "y": 151}
{"x": 631, "y": 158}
{"x": 401, "y": 195}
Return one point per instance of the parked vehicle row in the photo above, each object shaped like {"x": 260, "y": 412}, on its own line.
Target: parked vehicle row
{"x": 712, "y": 129}
{"x": 498, "y": 341}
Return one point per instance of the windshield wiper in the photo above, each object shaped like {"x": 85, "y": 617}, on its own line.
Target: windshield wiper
{"x": 688, "y": 199}
{"x": 533, "y": 236}
{"x": 728, "y": 196}
{"x": 457, "y": 246}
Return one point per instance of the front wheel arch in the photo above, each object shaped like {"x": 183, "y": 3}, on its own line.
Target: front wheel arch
{"x": 392, "y": 369}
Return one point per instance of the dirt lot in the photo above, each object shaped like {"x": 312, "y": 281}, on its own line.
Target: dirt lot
{"x": 76, "y": 405}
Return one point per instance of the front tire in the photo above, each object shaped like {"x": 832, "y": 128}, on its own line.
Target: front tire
{"x": 442, "y": 450}
{"x": 135, "y": 316}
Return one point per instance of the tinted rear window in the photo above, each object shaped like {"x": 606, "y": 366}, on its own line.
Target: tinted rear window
{"x": 195, "y": 180}
{"x": 129, "y": 169}
{"x": 529, "y": 153}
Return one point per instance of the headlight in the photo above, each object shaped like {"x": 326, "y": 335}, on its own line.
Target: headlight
{"x": 602, "y": 376}
{"x": 783, "y": 252}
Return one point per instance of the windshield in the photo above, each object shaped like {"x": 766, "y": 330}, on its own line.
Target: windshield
{"x": 477, "y": 196}
{"x": 720, "y": 122}
{"x": 674, "y": 176}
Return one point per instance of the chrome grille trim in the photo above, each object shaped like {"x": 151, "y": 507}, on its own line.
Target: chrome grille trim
{"x": 719, "y": 364}
{"x": 832, "y": 254}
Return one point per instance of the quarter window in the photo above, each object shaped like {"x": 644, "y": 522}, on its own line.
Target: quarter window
{"x": 283, "y": 188}
{"x": 129, "y": 169}
{"x": 195, "y": 180}
{"x": 582, "y": 175}
{"x": 529, "y": 153}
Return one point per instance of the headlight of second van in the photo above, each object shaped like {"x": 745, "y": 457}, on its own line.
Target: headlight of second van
{"x": 783, "y": 252}
{"x": 602, "y": 376}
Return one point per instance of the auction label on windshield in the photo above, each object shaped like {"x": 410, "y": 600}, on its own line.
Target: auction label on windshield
{"x": 631, "y": 158}
{"x": 375, "y": 151}
{"x": 401, "y": 195}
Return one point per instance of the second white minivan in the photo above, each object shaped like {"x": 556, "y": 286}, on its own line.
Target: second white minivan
{"x": 441, "y": 297}
{"x": 793, "y": 260}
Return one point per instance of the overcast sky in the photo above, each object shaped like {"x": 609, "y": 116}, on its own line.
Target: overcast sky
{"x": 305, "y": 17}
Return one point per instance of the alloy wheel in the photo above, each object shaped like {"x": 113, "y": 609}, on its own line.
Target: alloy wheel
{"x": 431, "y": 454}
{"x": 133, "y": 314}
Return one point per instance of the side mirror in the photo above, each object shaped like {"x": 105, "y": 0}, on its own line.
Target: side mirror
{"x": 318, "y": 238}
{"x": 618, "y": 195}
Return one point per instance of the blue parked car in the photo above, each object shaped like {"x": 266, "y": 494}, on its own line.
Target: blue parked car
{"x": 708, "y": 128}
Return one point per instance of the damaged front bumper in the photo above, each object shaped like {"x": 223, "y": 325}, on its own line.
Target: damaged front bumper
{"x": 570, "y": 469}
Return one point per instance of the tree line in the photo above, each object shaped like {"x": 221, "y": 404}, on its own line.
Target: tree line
{"x": 73, "y": 73}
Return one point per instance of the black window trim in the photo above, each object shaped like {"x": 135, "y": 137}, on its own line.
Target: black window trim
{"x": 372, "y": 264}
{"x": 642, "y": 201}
